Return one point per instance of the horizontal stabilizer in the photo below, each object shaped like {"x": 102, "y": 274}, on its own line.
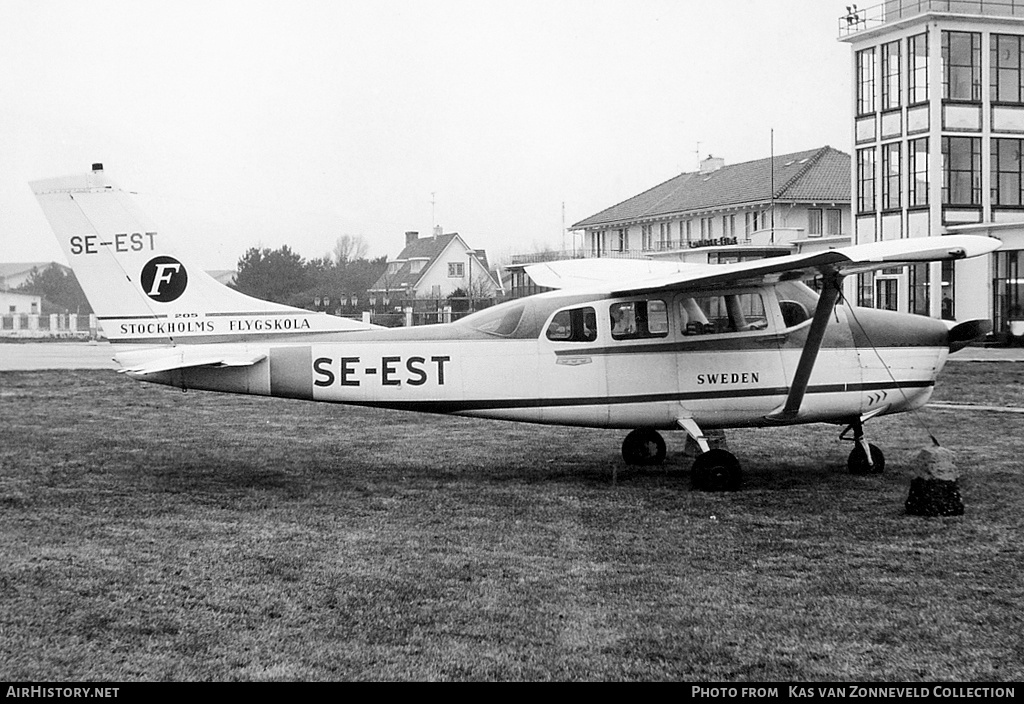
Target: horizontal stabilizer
{"x": 186, "y": 361}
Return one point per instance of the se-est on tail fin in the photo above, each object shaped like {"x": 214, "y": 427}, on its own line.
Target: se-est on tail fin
{"x": 141, "y": 288}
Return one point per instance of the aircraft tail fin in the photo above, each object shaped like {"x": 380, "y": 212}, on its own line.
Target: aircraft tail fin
{"x": 141, "y": 288}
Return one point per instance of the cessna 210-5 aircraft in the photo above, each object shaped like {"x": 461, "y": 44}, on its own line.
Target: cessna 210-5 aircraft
{"x": 631, "y": 344}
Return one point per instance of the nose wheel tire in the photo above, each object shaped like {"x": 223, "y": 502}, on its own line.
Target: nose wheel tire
{"x": 858, "y": 462}
{"x": 643, "y": 447}
{"x": 716, "y": 470}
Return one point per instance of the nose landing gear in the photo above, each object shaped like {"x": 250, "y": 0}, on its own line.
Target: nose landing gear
{"x": 865, "y": 458}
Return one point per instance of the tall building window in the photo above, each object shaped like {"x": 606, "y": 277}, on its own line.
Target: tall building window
{"x": 866, "y": 290}
{"x": 890, "y": 75}
{"x": 948, "y": 290}
{"x": 891, "y": 169}
{"x": 961, "y": 66}
{"x": 646, "y": 237}
{"x": 1008, "y": 289}
{"x": 689, "y": 231}
{"x": 920, "y": 299}
{"x": 664, "y": 235}
{"x": 1007, "y": 84}
{"x": 621, "y": 240}
{"x": 917, "y": 70}
{"x": 814, "y": 222}
{"x": 866, "y": 180}
{"x": 834, "y": 221}
{"x": 1007, "y": 173}
{"x": 865, "y": 81}
{"x": 887, "y": 292}
{"x": 961, "y": 171}
{"x": 917, "y": 172}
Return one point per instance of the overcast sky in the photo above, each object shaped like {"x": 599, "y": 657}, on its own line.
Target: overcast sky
{"x": 267, "y": 123}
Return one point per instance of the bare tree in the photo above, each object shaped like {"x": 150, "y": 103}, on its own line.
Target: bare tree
{"x": 349, "y": 248}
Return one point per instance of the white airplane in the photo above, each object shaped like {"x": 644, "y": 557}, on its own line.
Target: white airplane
{"x": 631, "y": 344}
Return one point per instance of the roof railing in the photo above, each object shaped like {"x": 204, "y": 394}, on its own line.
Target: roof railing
{"x": 858, "y": 20}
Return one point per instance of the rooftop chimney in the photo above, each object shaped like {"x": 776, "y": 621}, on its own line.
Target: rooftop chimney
{"x": 711, "y": 164}
{"x": 411, "y": 236}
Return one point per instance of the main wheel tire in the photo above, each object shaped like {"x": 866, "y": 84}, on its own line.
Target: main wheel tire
{"x": 643, "y": 447}
{"x": 858, "y": 462}
{"x": 716, "y": 470}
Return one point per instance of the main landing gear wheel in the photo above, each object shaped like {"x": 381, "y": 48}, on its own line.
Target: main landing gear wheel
{"x": 716, "y": 470}
{"x": 858, "y": 462}
{"x": 643, "y": 447}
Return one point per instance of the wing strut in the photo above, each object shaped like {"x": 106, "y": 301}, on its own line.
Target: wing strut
{"x": 833, "y": 286}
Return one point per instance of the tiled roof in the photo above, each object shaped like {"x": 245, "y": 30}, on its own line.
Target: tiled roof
{"x": 428, "y": 248}
{"x": 815, "y": 175}
{"x": 18, "y": 269}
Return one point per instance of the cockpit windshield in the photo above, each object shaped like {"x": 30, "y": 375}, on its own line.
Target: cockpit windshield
{"x": 501, "y": 320}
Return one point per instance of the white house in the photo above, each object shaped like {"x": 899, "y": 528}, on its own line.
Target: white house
{"x": 12, "y": 303}
{"x": 435, "y": 267}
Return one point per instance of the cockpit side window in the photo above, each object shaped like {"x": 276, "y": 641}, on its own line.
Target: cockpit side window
{"x": 727, "y": 313}
{"x": 797, "y": 302}
{"x": 633, "y": 320}
{"x": 575, "y": 325}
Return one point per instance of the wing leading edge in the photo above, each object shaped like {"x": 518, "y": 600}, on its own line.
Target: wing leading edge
{"x": 618, "y": 277}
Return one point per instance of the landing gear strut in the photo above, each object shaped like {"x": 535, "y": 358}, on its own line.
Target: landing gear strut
{"x": 643, "y": 447}
{"x": 865, "y": 457}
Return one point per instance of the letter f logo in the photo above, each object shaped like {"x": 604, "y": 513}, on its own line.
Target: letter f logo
{"x": 164, "y": 279}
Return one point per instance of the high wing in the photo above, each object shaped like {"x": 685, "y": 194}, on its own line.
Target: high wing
{"x": 832, "y": 266}
{"x": 625, "y": 277}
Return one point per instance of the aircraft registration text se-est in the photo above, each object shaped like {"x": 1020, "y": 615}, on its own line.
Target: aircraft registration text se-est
{"x": 123, "y": 242}
{"x": 392, "y": 370}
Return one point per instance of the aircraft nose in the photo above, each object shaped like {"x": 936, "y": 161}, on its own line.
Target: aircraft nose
{"x": 882, "y": 329}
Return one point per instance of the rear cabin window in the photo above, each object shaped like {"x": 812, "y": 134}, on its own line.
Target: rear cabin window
{"x": 713, "y": 315}
{"x": 634, "y": 320}
{"x": 576, "y": 325}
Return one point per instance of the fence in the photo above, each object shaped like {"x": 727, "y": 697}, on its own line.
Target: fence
{"x": 427, "y": 311}
{"x": 65, "y": 325}
{"x": 402, "y": 313}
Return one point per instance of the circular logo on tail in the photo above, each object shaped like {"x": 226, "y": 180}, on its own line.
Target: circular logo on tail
{"x": 164, "y": 279}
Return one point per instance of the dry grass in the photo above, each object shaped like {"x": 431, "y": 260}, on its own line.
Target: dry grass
{"x": 147, "y": 534}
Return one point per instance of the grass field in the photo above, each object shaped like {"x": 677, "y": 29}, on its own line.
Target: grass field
{"x": 147, "y": 534}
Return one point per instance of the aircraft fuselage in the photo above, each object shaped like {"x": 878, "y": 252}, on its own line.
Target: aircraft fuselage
{"x": 724, "y": 358}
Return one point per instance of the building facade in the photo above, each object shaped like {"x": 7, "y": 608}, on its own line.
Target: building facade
{"x": 728, "y": 213}
{"x": 938, "y": 131}
{"x": 12, "y": 303}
